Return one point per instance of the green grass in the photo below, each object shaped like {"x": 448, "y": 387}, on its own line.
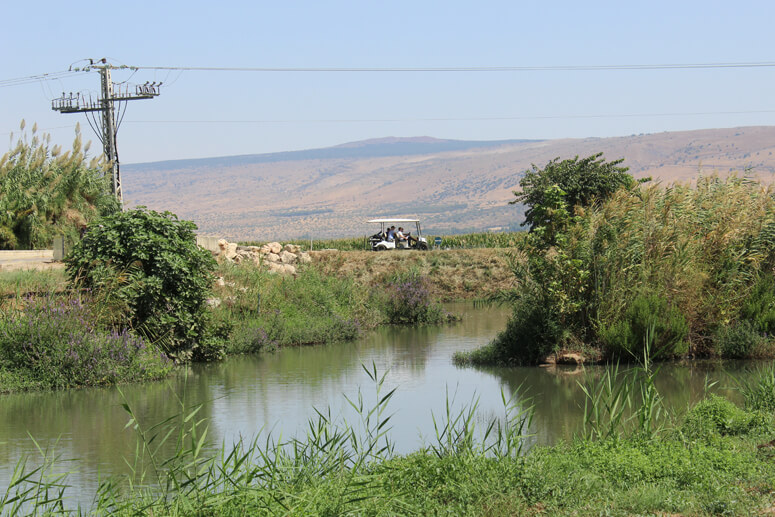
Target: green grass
{"x": 15, "y": 285}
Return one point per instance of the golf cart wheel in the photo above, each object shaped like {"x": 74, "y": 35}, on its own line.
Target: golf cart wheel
{"x": 423, "y": 246}
{"x": 380, "y": 248}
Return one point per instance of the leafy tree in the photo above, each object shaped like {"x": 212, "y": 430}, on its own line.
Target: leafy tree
{"x": 151, "y": 264}
{"x": 581, "y": 182}
{"x": 44, "y": 191}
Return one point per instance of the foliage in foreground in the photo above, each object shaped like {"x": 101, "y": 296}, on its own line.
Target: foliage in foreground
{"x": 149, "y": 265}
{"x": 714, "y": 460}
{"x": 55, "y": 343}
{"x": 44, "y": 192}
{"x": 688, "y": 268}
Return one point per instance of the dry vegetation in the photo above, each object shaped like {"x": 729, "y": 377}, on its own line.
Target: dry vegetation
{"x": 453, "y": 274}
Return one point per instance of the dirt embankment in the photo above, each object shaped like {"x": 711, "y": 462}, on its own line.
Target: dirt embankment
{"x": 453, "y": 274}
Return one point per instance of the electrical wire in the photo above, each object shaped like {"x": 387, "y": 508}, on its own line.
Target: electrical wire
{"x": 18, "y": 81}
{"x": 453, "y": 119}
{"x": 663, "y": 66}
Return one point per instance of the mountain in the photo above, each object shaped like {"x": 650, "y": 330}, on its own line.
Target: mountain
{"x": 451, "y": 185}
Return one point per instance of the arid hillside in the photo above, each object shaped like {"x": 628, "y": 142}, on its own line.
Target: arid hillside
{"x": 450, "y": 185}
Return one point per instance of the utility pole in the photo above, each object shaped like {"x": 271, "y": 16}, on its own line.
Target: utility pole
{"x": 113, "y": 99}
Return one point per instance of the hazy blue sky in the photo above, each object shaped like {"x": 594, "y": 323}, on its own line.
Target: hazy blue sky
{"x": 247, "y": 113}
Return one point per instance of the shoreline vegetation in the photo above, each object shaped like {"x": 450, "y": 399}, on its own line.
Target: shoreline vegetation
{"x": 683, "y": 271}
{"x": 631, "y": 456}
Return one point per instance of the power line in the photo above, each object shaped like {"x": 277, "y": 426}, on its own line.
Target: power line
{"x": 18, "y": 81}
{"x": 662, "y": 66}
{"x": 452, "y": 119}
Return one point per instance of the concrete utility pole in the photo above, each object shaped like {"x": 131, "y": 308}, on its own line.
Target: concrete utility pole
{"x": 112, "y": 99}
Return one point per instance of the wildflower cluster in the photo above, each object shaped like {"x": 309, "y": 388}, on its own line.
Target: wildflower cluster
{"x": 408, "y": 300}
{"x": 55, "y": 342}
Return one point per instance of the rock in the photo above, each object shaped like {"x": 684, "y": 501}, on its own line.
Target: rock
{"x": 289, "y": 269}
{"x": 213, "y": 302}
{"x": 275, "y": 247}
{"x": 287, "y": 258}
{"x": 272, "y": 257}
{"x": 276, "y": 267}
{"x": 222, "y": 245}
{"x": 231, "y": 250}
{"x": 304, "y": 258}
{"x": 292, "y": 248}
{"x": 265, "y": 249}
{"x": 570, "y": 358}
{"x": 220, "y": 282}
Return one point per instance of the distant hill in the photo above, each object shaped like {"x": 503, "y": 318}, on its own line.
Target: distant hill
{"x": 452, "y": 185}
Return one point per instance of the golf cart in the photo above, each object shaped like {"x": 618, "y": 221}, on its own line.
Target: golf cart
{"x": 380, "y": 241}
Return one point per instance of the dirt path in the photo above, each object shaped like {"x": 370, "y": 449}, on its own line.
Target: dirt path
{"x": 28, "y": 259}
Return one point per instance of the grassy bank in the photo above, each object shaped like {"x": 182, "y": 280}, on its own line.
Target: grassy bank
{"x": 263, "y": 311}
{"x": 633, "y": 456}
{"x": 686, "y": 270}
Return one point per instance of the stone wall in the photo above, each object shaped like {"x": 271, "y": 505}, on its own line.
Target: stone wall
{"x": 274, "y": 256}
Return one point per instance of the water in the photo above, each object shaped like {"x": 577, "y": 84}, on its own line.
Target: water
{"x": 277, "y": 392}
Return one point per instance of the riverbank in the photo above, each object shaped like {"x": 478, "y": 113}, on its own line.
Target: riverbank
{"x": 337, "y": 297}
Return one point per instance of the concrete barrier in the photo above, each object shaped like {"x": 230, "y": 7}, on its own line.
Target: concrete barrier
{"x": 208, "y": 242}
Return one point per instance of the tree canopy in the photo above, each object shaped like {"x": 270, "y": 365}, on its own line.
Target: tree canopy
{"x": 578, "y": 182}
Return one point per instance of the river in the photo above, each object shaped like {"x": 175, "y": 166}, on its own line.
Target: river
{"x": 279, "y": 392}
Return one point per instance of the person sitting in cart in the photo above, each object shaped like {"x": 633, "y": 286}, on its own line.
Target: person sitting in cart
{"x": 408, "y": 237}
{"x": 391, "y": 236}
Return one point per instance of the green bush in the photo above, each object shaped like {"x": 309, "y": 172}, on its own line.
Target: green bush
{"x": 150, "y": 261}
{"x": 407, "y": 300}
{"x": 718, "y": 416}
{"x": 742, "y": 340}
{"x": 649, "y": 321}
{"x": 531, "y": 334}
{"x": 54, "y": 343}
{"x": 759, "y": 307}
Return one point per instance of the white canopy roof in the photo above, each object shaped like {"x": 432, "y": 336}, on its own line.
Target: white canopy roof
{"x": 394, "y": 221}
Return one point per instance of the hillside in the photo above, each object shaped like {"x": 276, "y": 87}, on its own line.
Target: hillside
{"x": 451, "y": 185}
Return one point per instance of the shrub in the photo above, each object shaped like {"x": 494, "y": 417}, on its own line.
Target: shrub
{"x": 649, "y": 321}
{"x": 531, "y": 334}
{"x": 718, "y": 416}
{"x": 408, "y": 300}
{"x": 164, "y": 277}
{"x": 55, "y": 344}
{"x": 739, "y": 341}
{"x": 759, "y": 307}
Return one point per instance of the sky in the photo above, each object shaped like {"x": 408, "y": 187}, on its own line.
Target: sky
{"x": 222, "y": 113}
